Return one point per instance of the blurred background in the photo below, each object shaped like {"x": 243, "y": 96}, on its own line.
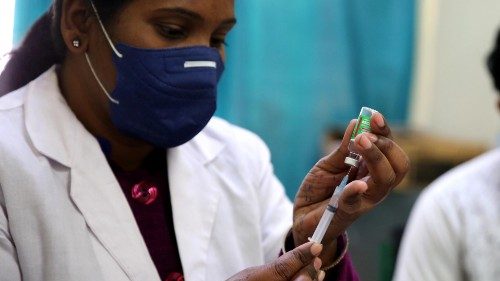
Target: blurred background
{"x": 298, "y": 71}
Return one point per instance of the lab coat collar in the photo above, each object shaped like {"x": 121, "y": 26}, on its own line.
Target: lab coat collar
{"x": 54, "y": 134}
{"x": 206, "y": 146}
{"x": 50, "y": 123}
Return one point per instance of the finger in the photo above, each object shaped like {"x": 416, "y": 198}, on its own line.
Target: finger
{"x": 396, "y": 156}
{"x": 349, "y": 209}
{"x": 310, "y": 272}
{"x": 382, "y": 175}
{"x": 286, "y": 266}
{"x": 334, "y": 162}
{"x": 351, "y": 199}
{"x": 362, "y": 171}
{"x": 379, "y": 125}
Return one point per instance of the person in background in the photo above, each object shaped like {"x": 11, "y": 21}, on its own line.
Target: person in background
{"x": 454, "y": 229}
{"x": 112, "y": 166}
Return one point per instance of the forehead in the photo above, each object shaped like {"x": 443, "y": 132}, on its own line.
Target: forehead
{"x": 209, "y": 9}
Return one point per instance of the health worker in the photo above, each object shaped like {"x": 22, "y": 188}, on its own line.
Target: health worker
{"x": 112, "y": 166}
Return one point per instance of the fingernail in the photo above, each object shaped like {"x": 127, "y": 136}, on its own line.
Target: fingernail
{"x": 365, "y": 142}
{"x": 380, "y": 121}
{"x": 321, "y": 275}
{"x": 317, "y": 263}
{"x": 316, "y": 249}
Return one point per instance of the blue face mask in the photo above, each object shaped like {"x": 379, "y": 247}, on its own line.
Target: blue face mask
{"x": 163, "y": 96}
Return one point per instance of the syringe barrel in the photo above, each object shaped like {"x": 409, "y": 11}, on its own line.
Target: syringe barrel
{"x": 323, "y": 225}
{"x": 334, "y": 199}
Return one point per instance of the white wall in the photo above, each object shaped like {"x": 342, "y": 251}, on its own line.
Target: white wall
{"x": 6, "y": 28}
{"x": 453, "y": 95}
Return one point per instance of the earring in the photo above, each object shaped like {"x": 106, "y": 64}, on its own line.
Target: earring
{"x": 76, "y": 43}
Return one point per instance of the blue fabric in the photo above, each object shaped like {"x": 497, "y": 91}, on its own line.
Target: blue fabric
{"x": 26, "y": 12}
{"x": 296, "y": 68}
{"x": 161, "y": 100}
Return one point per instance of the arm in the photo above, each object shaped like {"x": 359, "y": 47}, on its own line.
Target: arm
{"x": 430, "y": 249}
{"x": 9, "y": 267}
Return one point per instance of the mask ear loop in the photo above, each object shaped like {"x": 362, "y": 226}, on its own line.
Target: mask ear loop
{"x": 99, "y": 80}
{"x": 89, "y": 62}
{"x": 118, "y": 54}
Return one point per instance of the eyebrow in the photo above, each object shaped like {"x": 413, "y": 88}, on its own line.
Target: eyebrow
{"x": 184, "y": 12}
{"x": 194, "y": 15}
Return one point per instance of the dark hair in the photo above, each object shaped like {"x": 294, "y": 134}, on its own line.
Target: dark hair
{"x": 38, "y": 52}
{"x": 494, "y": 63}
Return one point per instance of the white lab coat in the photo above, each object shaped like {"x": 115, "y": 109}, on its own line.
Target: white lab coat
{"x": 63, "y": 215}
{"x": 453, "y": 233}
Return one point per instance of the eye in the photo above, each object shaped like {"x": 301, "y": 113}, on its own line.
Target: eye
{"x": 172, "y": 32}
{"x": 218, "y": 43}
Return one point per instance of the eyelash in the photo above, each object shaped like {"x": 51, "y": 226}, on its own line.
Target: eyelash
{"x": 174, "y": 33}
{"x": 217, "y": 43}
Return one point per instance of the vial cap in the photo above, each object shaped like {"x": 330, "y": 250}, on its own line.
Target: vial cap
{"x": 351, "y": 161}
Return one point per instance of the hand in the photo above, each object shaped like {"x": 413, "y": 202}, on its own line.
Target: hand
{"x": 300, "y": 264}
{"x": 384, "y": 164}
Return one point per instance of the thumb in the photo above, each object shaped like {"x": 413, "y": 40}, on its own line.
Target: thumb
{"x": 288, "y": 265}
{"x": 295, "y": 265}
{"x": 350, "y": 205}
{"x": 351, "y": 199}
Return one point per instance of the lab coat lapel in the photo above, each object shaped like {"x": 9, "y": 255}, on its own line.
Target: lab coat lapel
{"x": 98, "y": 196}
{"x": 56, "y": 133}
{"x": 195, "y": 197}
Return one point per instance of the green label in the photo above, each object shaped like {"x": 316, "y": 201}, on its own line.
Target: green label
{"x": 362, "y": 126}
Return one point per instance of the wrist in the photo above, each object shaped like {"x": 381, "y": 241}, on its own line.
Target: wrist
{"x": 341, "y": 246}
{"x": 332, "y": 255}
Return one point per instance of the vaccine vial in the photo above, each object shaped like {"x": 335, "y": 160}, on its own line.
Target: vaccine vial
{"x": 363, "y": 125}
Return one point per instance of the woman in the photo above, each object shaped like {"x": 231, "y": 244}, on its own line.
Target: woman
{"x": 113, "y": 168}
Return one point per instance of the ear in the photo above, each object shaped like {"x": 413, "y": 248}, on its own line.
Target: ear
{"x": 75, "y": 25}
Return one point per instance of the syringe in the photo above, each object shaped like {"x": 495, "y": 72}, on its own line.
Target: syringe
{"x": 327, "y": 216}
{"x": 362, "y": 126}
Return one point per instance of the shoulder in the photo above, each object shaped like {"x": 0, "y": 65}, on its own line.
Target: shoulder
{"x": 11, "y": 110}
{"x": 15, "y": 142}
{"x": 12, "y": 100}
{"x": 12, "y": 104}
{"x": 450, "y": 219}
{"x": 447, "y": 200}
{"x": 235, "y": 138}
{"x": 239, "y": 150}
{"x": 468, "y": 179}
{"x": 12, "y": 114}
